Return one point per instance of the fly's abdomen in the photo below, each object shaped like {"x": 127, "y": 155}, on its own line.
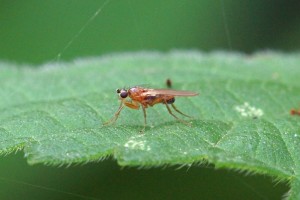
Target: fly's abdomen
{"x": 170, "y": 101}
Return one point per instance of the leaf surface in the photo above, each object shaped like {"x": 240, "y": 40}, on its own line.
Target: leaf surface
{"x": 241, "y": 119}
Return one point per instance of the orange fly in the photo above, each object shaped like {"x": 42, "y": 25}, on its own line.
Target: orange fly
{"x": 137, "y": 97}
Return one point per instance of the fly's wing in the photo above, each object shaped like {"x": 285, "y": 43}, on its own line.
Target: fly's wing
{"x": 167, "y": 92}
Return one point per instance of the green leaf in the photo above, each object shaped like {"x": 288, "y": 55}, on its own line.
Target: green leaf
{"x": 241, "y": 119}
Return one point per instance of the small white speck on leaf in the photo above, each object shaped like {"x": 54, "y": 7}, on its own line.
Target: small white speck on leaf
{"x": 246, "y": 110}
{"x": 133, "y": 143}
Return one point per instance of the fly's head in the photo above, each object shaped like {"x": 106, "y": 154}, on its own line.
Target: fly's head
{"x": 123, "y": 93}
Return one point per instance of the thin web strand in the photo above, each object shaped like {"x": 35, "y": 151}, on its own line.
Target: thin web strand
{"x": 82, "y": 29}
{"x": 226, "y": 27}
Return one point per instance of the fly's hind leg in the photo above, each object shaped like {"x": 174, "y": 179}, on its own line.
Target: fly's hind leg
{"x": 171, "y": 113}
{"x": 174, "y": 107}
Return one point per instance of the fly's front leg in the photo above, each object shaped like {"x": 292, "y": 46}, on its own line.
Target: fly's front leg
{"x": 132, "y": 104}
{"x": 115, "y": 117}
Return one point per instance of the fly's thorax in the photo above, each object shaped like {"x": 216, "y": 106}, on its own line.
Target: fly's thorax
{"x": 135, "y": 92}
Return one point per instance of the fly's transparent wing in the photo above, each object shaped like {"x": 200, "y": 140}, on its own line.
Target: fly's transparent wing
{"x": 167, "y": 92}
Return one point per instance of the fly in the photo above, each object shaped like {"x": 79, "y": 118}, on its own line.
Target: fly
{"x": 137, "y": 97}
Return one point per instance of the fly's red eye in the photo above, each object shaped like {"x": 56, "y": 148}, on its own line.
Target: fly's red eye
{"x": 124, "y": 94}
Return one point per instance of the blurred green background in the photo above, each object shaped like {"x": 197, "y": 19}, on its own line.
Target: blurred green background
{"x": 36, "y": 32}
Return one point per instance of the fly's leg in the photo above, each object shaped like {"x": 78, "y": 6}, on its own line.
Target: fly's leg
{"x": 181, "y": 120}
{"x": 174, "y": 107}
{"x": 136, "y": 105}
{"x": 132, "y": 104}
{"x": 115, "y": 117}
{"x": 145, "y": 121}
